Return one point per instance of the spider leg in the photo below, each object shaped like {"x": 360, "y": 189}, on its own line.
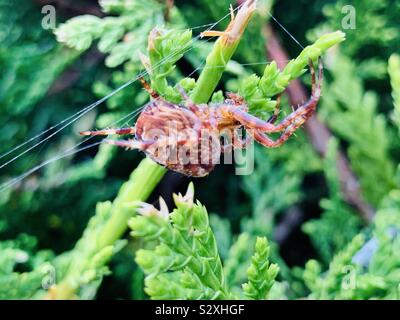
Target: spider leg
{"x": 106, "y": 132}
{"x": 298, "y": 117}
{"x": 266, "y": 141}
{"x": 251, "y": 122}
{"x": 306, "y": 110}
{"x": 130, "y": 144}
{"x": 147, "y": 87}
{"x": 237, "y": 143}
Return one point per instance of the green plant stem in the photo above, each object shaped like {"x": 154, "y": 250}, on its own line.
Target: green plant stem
{"x": 142, "y": 183}
{"x": 222, "y": 52}
{"x": 215, "y": 67}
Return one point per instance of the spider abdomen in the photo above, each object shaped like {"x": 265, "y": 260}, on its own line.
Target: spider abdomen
{"x": 178, "y": 139}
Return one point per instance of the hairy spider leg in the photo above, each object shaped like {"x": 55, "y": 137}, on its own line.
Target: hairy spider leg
{"x": 122, "y": 131}
{"x": 303, "y": 112}
{"x": 252, "y": 122}
{"x": 106, "y": 132}
{"x": 297, "y": 118}
{"x": 147, "y": 87}
{"x": 130, "y": 144}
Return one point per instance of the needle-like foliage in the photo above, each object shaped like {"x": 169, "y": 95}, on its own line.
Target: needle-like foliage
{"x": 352, "y": 113}
{"x": 184, "y": 262}
{"x": 261, "y": 274}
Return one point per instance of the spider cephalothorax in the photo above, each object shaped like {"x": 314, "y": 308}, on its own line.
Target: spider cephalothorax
{"x": 186, "y": 138}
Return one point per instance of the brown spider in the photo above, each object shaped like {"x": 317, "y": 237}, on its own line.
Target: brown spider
{"x": 186, "y": 139}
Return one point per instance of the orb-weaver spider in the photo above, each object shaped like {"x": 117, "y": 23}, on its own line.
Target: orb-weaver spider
{"x": 186, "y": 139}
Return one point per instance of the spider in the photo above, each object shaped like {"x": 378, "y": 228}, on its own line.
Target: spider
{"x": 187, "y": 138}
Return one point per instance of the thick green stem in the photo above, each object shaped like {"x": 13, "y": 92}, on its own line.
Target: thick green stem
{"x": 215, "y": 67}
{"x": 222, "y": 52}
{"x": 139, "y": 187}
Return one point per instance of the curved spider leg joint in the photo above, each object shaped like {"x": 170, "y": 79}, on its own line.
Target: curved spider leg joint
{"x": 295, "y": 119}
{"x": 252, "y": 122}
{"x": 268, "y": 142}
{"x": 106, "y": 132}
{"x": 148, "y": 88}
{"x": 291, "y": 123}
